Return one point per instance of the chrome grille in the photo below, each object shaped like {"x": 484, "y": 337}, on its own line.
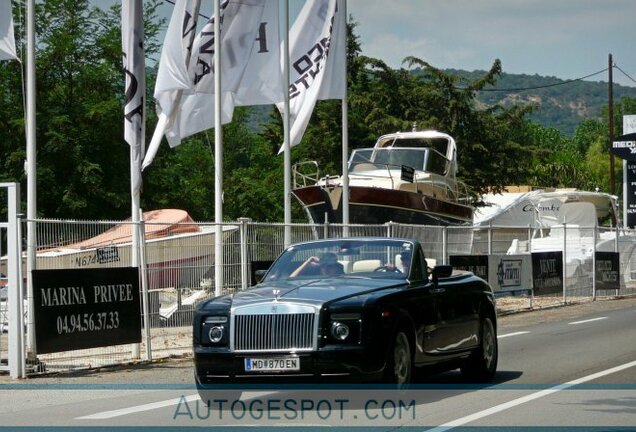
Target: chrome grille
{"x": 274, "y": 332}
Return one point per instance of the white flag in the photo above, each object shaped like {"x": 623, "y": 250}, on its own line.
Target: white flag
{"x": 250, "y": 59}
{"x": 317, "y": 59}
{"x": 249, "y": 66}
{"x": 7, "y": 39}
{"x": 173, "y": 76}
{"x": 132, "y": 39}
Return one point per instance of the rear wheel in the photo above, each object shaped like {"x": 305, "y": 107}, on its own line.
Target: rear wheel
{"x": 481, "y": 366}
{"x": 399, "y": 366}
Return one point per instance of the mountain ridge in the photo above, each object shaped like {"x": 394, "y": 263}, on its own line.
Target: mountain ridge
{"x": 561, "y": 104}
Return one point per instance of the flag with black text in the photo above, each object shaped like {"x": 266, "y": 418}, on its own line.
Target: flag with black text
{"x": 132, "y": 33}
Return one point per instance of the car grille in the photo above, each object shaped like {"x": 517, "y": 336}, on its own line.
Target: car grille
{"x": 274, "y": 332}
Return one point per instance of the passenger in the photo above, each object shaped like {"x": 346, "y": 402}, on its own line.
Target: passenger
{"x": 326, "y": 265}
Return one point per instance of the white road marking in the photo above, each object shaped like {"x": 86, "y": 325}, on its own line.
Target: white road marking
{"x": 161, "y": 404}
{"x": 139, "y": 408}
{"x": 587, "y": 321}
{"x": 524, "y": 399}
{"x": 512, "y": 334}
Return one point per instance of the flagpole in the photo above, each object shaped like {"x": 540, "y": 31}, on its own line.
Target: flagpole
{"x": 345, "y": 137}
{"x": 31, "y": 168}
{"x": 218, "y": 156}
{"x": 287, "y": 147}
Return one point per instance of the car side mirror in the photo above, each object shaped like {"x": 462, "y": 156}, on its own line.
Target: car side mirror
{"x": 259, "y": 274}
{"x": 442, "y": 271}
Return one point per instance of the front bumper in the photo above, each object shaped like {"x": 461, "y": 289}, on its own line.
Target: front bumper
{"x": 331, "y": 363}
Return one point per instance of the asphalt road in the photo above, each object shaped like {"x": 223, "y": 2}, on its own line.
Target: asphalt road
{"x": 571, "y": 367}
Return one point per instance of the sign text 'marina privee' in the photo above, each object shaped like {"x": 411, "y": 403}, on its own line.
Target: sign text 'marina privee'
{"x": 76, "y": 295}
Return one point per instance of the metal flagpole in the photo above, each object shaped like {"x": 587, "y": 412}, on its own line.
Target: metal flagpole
{"x": 345, "y": 138}
{"x": 287, "y": 146}
{"x": 31, "y": 168}
{"x": 218, "y": 156}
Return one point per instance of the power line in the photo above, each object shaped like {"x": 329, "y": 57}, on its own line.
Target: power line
{"x": 543, "y": 86}
{"x": 624, "y": 73}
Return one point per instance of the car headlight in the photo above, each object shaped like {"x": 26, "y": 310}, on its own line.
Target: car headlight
{"x": 216, "y": 329}
{"x": 339, "y": 331}
{"x": 216, "y": 334}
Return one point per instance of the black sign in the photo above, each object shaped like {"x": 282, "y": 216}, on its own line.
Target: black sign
{"x": 547, "y": 273}
{"x": 630, "y": 197}
{"x": 408, "y": 173}
{"x": 478, "y": 264}
{"x": 107, "y": 254}
{"x": 625, "y": 147}
{"x": 607, "y": 272}
{"x": 86, "y": 308}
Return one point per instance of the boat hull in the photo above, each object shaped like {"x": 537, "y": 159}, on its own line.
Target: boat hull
{"x": 369, "y": 205}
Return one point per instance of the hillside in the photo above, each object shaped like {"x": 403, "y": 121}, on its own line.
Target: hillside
{"x": 561, "y": 106}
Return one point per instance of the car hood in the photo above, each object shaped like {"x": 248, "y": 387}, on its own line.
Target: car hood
{"x": 313, "y": 290}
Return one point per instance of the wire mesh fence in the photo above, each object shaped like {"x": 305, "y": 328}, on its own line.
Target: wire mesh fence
{"x": 180, "y": 267}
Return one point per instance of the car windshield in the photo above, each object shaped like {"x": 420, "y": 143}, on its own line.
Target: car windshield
{"x": 381, "y": 258}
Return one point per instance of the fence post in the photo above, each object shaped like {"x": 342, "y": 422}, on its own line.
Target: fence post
{"x": 616, "y": 250}
{"x": 565, "y": 261}
{"x": 141, "y": 230}
{"x": 594, "y": 264}
{"x": 243, "y": 228}
{"x": 389, "y": 229}
{"x": 15, "y": 301}
{"x": 325, "y": 232}
{"x": 444, "y": 245}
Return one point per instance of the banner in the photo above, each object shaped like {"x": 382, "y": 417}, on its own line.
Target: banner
{"x": 547, "y": 273}
{"x": 607, "y": 271}
{"x": 7, "y": 39}
{"x": 132, "y": 34}
{"x": 318, "y": 61}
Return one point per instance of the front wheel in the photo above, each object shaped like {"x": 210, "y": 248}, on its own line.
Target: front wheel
{"x": 399, "y": 365}
{"x": 481, "y": 366}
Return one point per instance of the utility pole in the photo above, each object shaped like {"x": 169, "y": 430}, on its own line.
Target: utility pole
{"x": 610, "y": 99}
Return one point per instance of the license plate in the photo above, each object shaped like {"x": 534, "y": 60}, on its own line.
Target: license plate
{"x": 272, "y": 364}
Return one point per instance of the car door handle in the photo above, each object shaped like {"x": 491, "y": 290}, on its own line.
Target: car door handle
{"x": 437, "y": 290}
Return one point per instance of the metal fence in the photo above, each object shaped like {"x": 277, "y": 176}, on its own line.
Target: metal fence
{"x": 180, "y": 267}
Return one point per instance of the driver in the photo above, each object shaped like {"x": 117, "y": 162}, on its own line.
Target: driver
{"x": 326, "y": 265}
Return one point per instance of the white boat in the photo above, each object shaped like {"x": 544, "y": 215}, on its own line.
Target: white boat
{"x": 544, "y": 220}
{"x": 407, "y": 177}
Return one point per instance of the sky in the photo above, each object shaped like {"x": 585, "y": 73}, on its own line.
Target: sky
{"x": 567, "y": 39}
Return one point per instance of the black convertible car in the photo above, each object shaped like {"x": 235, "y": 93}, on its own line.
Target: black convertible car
{"x": 361, "y": 308}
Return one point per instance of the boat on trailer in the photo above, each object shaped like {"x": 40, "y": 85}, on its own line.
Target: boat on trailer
{"x": 407, "y": 177}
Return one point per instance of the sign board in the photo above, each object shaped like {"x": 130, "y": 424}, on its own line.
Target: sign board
{"x": 607, "y": 272}
{"x": 408, "y": 174}
{"x": 547, "y": 273}
{"x": 629, "y": 177}
{"x": 86, "y": 308}
{"x": 478, "y": 264}
{"x": 509, "y": 272}
{"x": 624, "y": 146}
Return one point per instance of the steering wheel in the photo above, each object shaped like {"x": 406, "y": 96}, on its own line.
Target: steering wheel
{"x": 388, "y": 269}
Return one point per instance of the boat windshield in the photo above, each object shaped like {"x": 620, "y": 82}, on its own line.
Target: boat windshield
{"x": 440, "y": 144}
{"x": 342, "y": 258}
{"x": 421, "y": 159}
